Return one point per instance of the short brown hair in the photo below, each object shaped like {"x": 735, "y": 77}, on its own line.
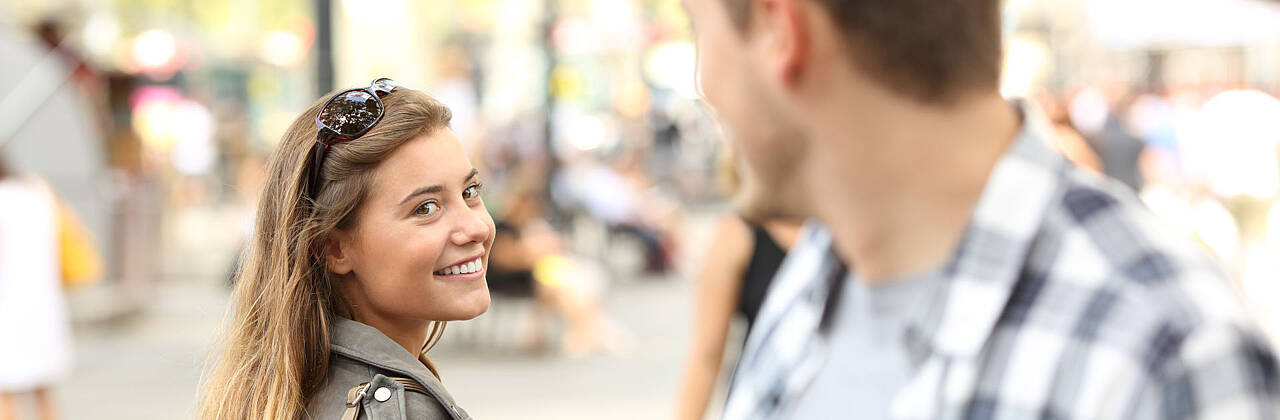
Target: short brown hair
{"x": 929, "y": 50}
{"x": 4, "y": 168}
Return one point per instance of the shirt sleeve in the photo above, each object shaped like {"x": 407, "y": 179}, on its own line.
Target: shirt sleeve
{"x": 1213, "y": 372}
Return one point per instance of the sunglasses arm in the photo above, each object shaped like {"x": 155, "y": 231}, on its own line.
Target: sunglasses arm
{"x": 318, "y": 151}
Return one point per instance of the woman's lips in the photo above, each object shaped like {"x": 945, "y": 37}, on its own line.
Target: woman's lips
{"x": 466, "y": 270}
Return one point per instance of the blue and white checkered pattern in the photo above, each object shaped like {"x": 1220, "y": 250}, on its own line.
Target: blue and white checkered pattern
{"x": 1065, "y": 299}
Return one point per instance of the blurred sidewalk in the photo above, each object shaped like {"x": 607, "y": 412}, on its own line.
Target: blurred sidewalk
{"x": 146, "y": 363}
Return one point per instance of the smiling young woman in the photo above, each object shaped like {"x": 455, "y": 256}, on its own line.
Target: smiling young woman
{"x": 370, "y": 235}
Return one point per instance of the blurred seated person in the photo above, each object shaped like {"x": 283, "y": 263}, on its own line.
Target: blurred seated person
{"x": 528, "y": 260}
{"x": 624, "y": 198}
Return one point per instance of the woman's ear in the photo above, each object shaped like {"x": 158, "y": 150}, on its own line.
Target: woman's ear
{"x": 337, "y": 253}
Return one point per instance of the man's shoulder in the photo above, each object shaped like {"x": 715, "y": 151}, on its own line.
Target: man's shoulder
{"x": 1119, "y": 316}
{"x": 1116, "y": 273}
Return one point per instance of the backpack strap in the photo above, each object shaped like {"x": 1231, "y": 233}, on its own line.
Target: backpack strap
{"x": 412, "y": 385}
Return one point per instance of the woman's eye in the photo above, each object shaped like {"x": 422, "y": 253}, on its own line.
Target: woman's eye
{"x": 427, "y": 209}
{"x": 471, "y": 192}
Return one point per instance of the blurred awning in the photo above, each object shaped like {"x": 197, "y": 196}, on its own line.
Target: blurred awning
{"x": 1158, "y": 24}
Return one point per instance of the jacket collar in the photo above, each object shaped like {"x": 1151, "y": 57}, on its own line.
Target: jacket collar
{"x": 367, "y": 345}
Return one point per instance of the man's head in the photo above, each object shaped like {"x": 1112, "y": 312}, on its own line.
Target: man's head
{"x": 767, "y": 66}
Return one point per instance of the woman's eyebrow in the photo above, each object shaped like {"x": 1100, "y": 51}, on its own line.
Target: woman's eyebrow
{"x": 434, "y": 189}
{"x": 421, "y": 191}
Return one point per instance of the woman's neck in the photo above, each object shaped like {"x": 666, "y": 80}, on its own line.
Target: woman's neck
{"x": 411, "y": 334}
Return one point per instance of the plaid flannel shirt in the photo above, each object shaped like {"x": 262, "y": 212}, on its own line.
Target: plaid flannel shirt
{"x": 1065, "y": 299}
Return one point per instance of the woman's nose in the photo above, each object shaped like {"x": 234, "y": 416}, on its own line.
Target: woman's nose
{"x": 472, "y": 226}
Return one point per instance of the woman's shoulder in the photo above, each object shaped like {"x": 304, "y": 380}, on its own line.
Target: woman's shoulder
{"x": 734, "y": 232}
{"x": 330, "y": 400}
{"x": 376, "y": 391}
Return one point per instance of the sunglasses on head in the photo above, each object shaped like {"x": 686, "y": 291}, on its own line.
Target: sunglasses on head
{"x": 346, "y": 116}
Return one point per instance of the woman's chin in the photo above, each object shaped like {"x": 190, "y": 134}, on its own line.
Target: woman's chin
{"x": 471, "y": 306}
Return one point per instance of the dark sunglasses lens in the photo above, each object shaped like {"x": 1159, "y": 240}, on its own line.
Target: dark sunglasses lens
{"x": 351, "y": 113}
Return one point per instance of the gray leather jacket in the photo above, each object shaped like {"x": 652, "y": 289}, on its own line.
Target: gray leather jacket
{"x": 359, "y": 354}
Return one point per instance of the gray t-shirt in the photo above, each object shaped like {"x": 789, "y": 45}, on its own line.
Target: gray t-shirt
{"x": 874, "y": 348}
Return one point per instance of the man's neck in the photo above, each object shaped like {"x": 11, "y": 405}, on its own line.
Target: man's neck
{"x": 898, "y": 198}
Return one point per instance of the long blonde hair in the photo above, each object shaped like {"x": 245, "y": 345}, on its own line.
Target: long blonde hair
{"x": 275, "y": 350}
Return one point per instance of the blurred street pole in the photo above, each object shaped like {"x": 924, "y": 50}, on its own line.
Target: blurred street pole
{"x": 324, "y": 47}
{"x": 550, "y": 13}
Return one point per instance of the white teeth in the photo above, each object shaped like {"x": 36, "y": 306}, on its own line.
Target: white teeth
{"x": 467, "y": 268}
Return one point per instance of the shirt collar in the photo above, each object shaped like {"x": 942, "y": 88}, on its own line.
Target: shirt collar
{"x": 992, "y": 251}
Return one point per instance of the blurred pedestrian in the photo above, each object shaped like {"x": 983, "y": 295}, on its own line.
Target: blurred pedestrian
{"x": 956, "y": 266}
{"x": 43, "y": 249}
{"x": 370, "y": 235}
{"x": 1118, "y": 147}
{"x": 1067, "y": 140}
{"x": 737, "y": 269}
{"x": 736, "y": 273}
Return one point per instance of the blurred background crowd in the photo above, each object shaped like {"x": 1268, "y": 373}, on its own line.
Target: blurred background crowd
{"x": 152, "y": 120}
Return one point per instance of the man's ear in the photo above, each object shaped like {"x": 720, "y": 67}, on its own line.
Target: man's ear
{"x": 783, "y": 28}
{"x": 337, "y": 253}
